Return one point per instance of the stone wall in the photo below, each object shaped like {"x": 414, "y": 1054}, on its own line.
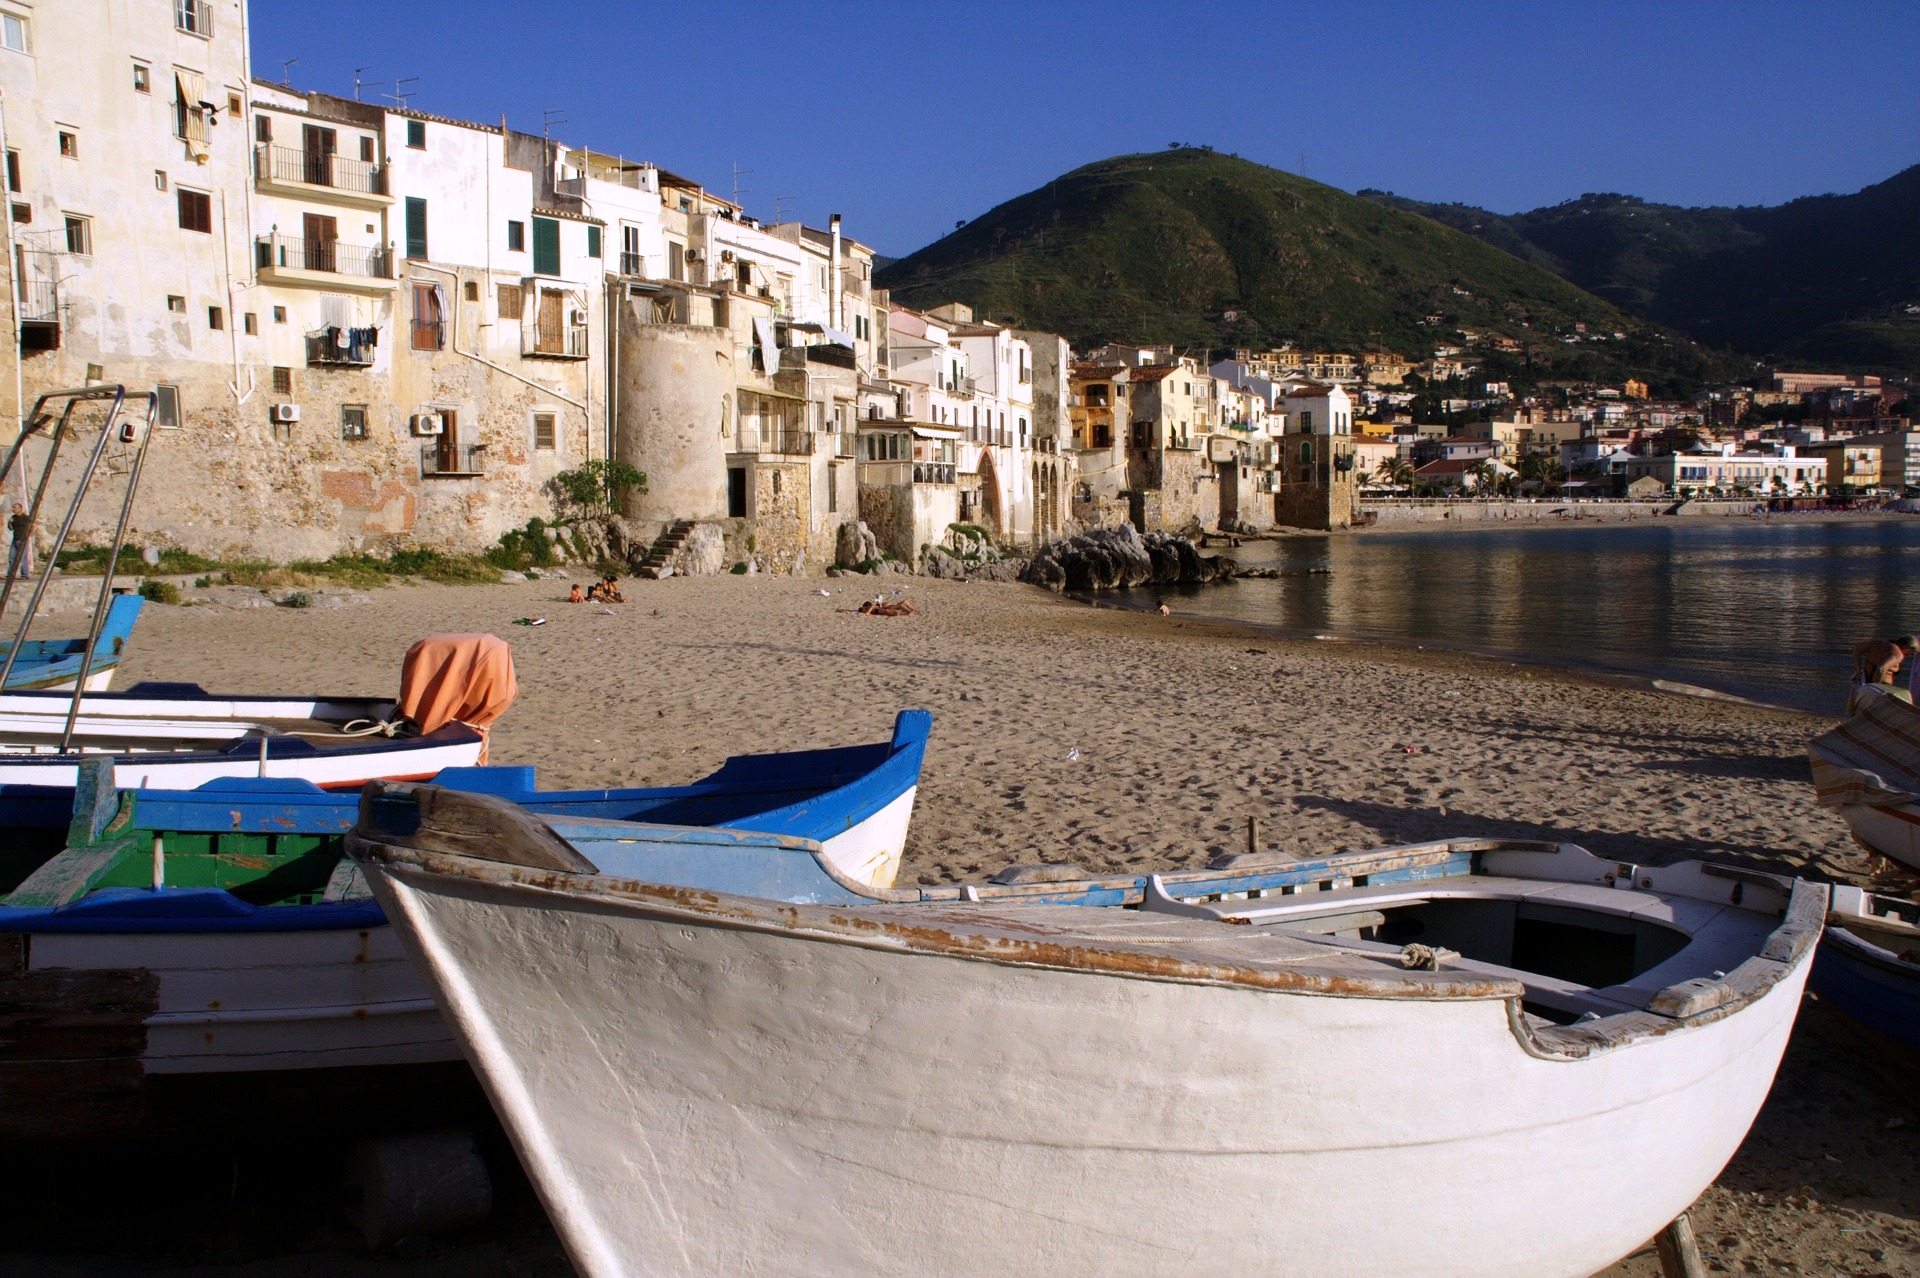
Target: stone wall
{"x": 1189, "y": 493}
{"x": 782, "y": 514}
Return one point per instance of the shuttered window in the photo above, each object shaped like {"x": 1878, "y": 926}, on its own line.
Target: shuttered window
{"x": 416, "y": 227}
{"x": 543, "y": 431}
{"x": 546, "y": 246}
{"x": 511, "y": 303}
{"x": 593, "y": 241}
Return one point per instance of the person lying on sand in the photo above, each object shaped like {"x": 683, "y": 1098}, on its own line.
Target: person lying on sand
{"x": 878, "y": 608}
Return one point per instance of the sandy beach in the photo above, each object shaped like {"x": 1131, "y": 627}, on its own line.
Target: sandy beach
{"x": 1121, "y": 740}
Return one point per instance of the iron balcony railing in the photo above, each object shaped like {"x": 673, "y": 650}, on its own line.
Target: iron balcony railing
{"x": 39, "y": 301}
{"x": 195, "y": 17}
{"x": 318, "y": 168}
{"x": 569, "y": 344}
{"x": 632, "y": 264}
{"x": 933, "y": 472}
{"x": 790, "y": 443}
{"x": 844, "y": 444}
{"x": 290, "y": 253}
{"x": 451, "y": 459}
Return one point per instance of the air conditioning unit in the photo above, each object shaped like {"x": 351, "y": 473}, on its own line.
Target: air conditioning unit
{"x": 579, "y": 317}
{"x": 286, "y": 412}
{"x": 695, "y": 255}
{"x": 429, "y": 424}
{"x": 726, "y": 255}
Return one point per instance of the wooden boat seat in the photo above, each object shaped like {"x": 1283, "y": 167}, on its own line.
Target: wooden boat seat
{"x": 1719, "y": 938}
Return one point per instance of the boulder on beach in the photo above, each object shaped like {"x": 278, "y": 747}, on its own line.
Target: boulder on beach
{"x": 1117, "y": 558}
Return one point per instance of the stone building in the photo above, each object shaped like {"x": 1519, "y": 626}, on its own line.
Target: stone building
{"x": 1320, "y": 476}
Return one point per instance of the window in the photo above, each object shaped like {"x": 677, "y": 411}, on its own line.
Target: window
{"x": 516, "y": 237}
{"x": 166, "y": 407}
{"x": 13, "y": 170}
{"x": 353, "y": 421}
{"x": 263, "y": 128}
{"x": 417, "y": 134}
{"x": 69, "y": 144}
{"x": 283, "y": 381}
{"x": 473, "y": 291}
{"x": 13, "y": 33}
{"x": 177, "y": 304}
{"x": 593, "y": 241}
{"x": 511, "y": 302}
{"x": 250, "y": 323}
{"x": 279, "y": 314}
{"x": 216, "y": 318}
{"x": 416, "y": 226}
{"x": 543, "y": 431}
{"x": 235, "y": 107}
{"x": 79, "y": 235}
{"x": 159, "y": 179}
{"x": 193, "y": 17}
{"x": 1306, "y": 422}
{"x": 196, "y": 211}
{"x": 546, "y": 246}
{"x": 366, "y": 151}
{"x": 142, "y": 78}
{"x": 676, "y": 261}
{"x": 429, "y": 318}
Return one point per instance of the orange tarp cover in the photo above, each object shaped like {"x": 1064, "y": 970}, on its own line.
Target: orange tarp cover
{"x": 458, "y": 679}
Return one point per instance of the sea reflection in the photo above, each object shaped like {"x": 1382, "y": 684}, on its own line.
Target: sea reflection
{"x": 1769, "y": 611}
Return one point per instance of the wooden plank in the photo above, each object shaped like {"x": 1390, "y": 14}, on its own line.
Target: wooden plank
{"x": 1679, "y": 1253}
{"x": 70, "y": 875}
{"x": 71, "y": 1047}
{"x": 471, "y": 825}
{"x": 346, "y": 883}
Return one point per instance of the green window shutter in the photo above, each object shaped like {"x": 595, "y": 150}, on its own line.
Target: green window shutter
{"x": 416, "y": 227}
{"x": 546, "y": 246}
{"x": 593, "y": 241}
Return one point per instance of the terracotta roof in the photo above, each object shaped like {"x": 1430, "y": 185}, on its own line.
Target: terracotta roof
{"x": 1152, "y": 373}
{"x": 1448, "y": 466}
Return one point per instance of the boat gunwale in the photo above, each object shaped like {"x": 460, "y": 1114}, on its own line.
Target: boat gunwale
{"x": 1787, "y": 947}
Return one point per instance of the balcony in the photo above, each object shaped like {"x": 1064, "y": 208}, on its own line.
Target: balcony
{"x": 933, "y": 472}
{"x": 328, "y": 264}
{"x": 787, "y": 443}
{"x": 39, "y": 314}
{"x": 633, "y": 264}
{"x": 547, "y": 343}
{"x": 451, "y": 461}
{"x": 320, "y": 175}
{"x": 326, "y": 350}
{"x": 195, "y": 17}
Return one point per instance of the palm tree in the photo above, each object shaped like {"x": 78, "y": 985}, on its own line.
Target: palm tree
{"x": 1481, "y": 472}
{"x": 1395, "y": 471}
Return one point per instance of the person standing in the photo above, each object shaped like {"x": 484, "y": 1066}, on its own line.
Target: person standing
{"x": 20, "y": 524}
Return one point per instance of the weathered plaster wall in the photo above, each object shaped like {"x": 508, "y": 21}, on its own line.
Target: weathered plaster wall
{"x": 674, "y": 396}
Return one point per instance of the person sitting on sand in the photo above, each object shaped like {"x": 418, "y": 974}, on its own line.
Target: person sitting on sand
{"x": 605, "y": 590}
{"x": 574, "y": 595}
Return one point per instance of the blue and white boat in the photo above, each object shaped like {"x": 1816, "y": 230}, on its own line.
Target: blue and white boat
{"x": 222, "y": 930}
{"x": 55, "y": 664}
{"x": 1868, "y": 967}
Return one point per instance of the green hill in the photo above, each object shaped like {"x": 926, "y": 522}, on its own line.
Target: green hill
{"x": 1826, "y": 279}
{"x": 1204, "y": 250}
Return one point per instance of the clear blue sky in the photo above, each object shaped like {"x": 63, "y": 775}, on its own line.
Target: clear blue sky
{"x": 907, "y": 117}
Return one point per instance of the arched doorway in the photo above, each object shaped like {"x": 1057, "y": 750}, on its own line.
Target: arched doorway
{"x": 992, "y": 516}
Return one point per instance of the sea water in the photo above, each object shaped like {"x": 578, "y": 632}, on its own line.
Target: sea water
{"x": 1765, "y": 609}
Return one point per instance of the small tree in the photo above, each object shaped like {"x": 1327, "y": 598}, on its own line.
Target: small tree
{"x": 597, "y": 489}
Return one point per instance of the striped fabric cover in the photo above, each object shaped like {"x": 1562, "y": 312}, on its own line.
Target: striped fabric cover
{"x": 1873, "y": 758}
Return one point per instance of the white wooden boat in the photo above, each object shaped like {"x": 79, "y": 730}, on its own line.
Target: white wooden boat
{"x": 1264, "y": 1080}
{"x": 1868, "y": 770}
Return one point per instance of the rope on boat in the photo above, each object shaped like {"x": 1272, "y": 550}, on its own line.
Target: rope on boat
{"x": 364, "y": 728}
{"x": 1425, "y": 958}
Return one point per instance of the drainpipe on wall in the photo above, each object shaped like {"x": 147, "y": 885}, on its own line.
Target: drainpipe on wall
{"x": 454, "y": 345}
{"x": 233, "y": 308}
{"x": 13, "y": 273}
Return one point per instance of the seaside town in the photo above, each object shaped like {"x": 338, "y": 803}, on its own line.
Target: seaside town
{"x": 390, "y": 327}
{"x": 756, "y": 872}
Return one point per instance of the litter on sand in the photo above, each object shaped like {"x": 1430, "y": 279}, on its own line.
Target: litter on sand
{"x": 529, "y": 621}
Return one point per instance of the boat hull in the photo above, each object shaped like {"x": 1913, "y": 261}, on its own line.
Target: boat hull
{"x": 698, "y": 1092}
{"x": 1892, "y": 831}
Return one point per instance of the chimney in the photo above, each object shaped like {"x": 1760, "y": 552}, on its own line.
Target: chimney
{"x": 833, "y": 276}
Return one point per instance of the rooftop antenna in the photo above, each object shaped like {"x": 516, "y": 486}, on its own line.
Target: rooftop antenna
{"x": 359, "y": 84}
{"x": 399, "y": 95}
{"x": 286, "y": 71}
{"x": 779, "y": 211}
{"x": 550, "y": 117}
{"x": 739, "y": 190}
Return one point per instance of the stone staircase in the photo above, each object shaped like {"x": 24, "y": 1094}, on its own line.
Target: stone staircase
{"x": 663, "y": 548}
